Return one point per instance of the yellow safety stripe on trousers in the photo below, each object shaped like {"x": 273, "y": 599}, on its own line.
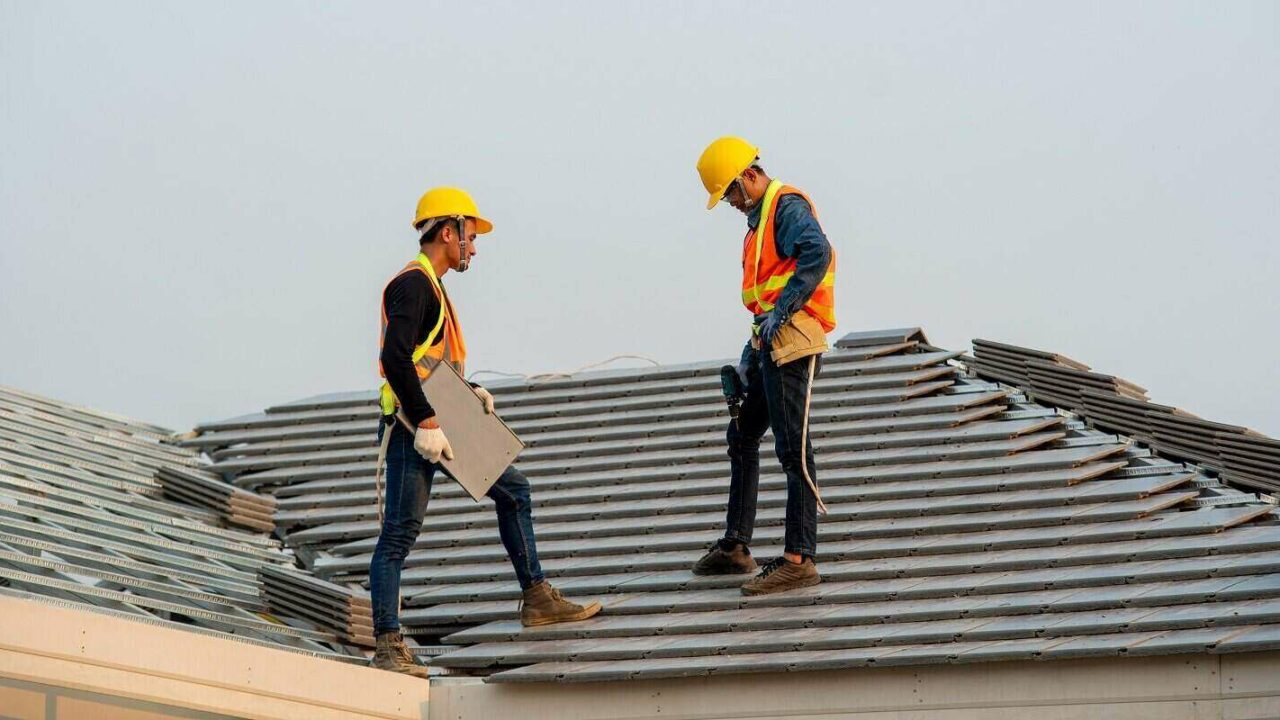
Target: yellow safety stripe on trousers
{"x": 386, "y": 397}
{"x": 778, "y": 282}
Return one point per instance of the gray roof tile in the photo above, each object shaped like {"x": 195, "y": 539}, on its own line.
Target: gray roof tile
{"x": 967, "y": 523}
{"x": 108, "y": 514}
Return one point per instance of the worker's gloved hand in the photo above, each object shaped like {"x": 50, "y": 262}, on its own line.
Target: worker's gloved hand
{"x": 770, "y": 327}
{"x": 431, "y": 443}
{"x": 486, "y": 397}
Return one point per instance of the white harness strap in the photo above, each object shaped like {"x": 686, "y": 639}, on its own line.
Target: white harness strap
{"x": 377, "y": 474}
{"x": 804, "y": 439}
{"x": 382, "y": 459}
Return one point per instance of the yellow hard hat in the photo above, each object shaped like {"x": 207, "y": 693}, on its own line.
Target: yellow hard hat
{"x": 722, "y": 162}
{"x": 449, "y": 202}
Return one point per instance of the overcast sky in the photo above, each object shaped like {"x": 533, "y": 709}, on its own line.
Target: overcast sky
{"x": 200, "y": 203}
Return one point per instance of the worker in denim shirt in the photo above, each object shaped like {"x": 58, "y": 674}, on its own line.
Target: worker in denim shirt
{"x": 788, "y": 268}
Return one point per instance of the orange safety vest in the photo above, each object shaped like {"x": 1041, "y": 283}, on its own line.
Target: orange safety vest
{"x": 765, "y": 274}
{"x": 429, "y": 354}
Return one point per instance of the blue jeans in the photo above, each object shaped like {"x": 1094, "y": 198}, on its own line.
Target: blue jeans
{"x": 408, "y": 488}
{"x": 774, "y": 399}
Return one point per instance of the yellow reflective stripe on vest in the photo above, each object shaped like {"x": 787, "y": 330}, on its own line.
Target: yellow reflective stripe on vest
{"x": 820, "y": 306}
{"x": 779, "y": 282}
{"x": 776, "y": 282}
{"x": 386, "y": 396}
{"x": 420, "y": 351}
{"x": 766, "y": 209}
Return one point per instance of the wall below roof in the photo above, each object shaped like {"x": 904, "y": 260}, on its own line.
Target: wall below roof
{"x": 1221, "y": 687}
{"x": 36, "y": 701}
{"x": 66, "y": 663}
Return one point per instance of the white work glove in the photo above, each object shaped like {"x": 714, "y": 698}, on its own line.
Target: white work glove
{"x": 486, "y": 397}
{"x": 432, "y": 444}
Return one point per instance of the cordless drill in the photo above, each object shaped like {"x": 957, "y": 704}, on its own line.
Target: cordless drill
{"x": 731, "y": 386}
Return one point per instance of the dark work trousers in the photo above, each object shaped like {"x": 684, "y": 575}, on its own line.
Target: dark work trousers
{"x": 775, "y": 399}
{"x": 408, "y": 488}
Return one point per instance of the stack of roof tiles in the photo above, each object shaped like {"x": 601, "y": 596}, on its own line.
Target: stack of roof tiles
{"x": 330, "y": 605}
{"x": 1054, "y": 378}
{"x": 967, "y": 523}
{"x": 1239, "y": 454}
{"x": 83, "y": 521}
{"x": 205, "y": 489}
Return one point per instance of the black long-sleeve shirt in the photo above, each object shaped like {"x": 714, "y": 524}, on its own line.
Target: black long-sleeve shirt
{"x": 412, "y": 310}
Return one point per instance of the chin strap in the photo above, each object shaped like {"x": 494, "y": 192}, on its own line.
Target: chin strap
{"x": 464, "y": 261}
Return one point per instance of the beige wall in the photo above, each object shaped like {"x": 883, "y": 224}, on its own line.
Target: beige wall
{"x": 61, "y": 662}
{"x": 32, "y": 701}
{"x": 1195, "y": 687}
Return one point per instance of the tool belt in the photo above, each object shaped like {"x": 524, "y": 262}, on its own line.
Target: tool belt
{"x": 801, "y": 337}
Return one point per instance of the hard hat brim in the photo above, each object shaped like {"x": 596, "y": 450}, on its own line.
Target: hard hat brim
{"x": 715, "y": 197}
{"x": 482, "y": 226}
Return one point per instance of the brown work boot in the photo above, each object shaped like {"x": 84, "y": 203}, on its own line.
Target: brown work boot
{"x": 392, "y": 654}
{"x": 726, "y": 557}
{"x": 780, "y": 575}
{"x": 543, "y": 605}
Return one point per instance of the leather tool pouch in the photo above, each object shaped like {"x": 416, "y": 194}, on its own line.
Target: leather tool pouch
{"x": 801, "y": 337}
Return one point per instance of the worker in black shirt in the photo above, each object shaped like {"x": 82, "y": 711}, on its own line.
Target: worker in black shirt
{"x": 420, "y": 330}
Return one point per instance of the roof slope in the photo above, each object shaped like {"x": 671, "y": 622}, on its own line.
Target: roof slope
{"x": 967, "y": 523}
{"x": 1237, "y": 454}
{"x": 85, "y": 522}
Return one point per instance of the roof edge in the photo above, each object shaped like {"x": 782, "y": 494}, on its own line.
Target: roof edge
{"x": 118, "y": 657}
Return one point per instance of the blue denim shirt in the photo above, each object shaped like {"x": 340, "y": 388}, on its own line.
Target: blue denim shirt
{"x": 796, "y": 234}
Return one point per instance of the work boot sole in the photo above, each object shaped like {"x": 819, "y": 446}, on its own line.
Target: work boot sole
{"x": 705, "y": 572}
{"x": 807, "y": 582}
{"x": 417, "y": 671}
{"x": 588, "y": 611}
{"x": 718, "y": 562}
